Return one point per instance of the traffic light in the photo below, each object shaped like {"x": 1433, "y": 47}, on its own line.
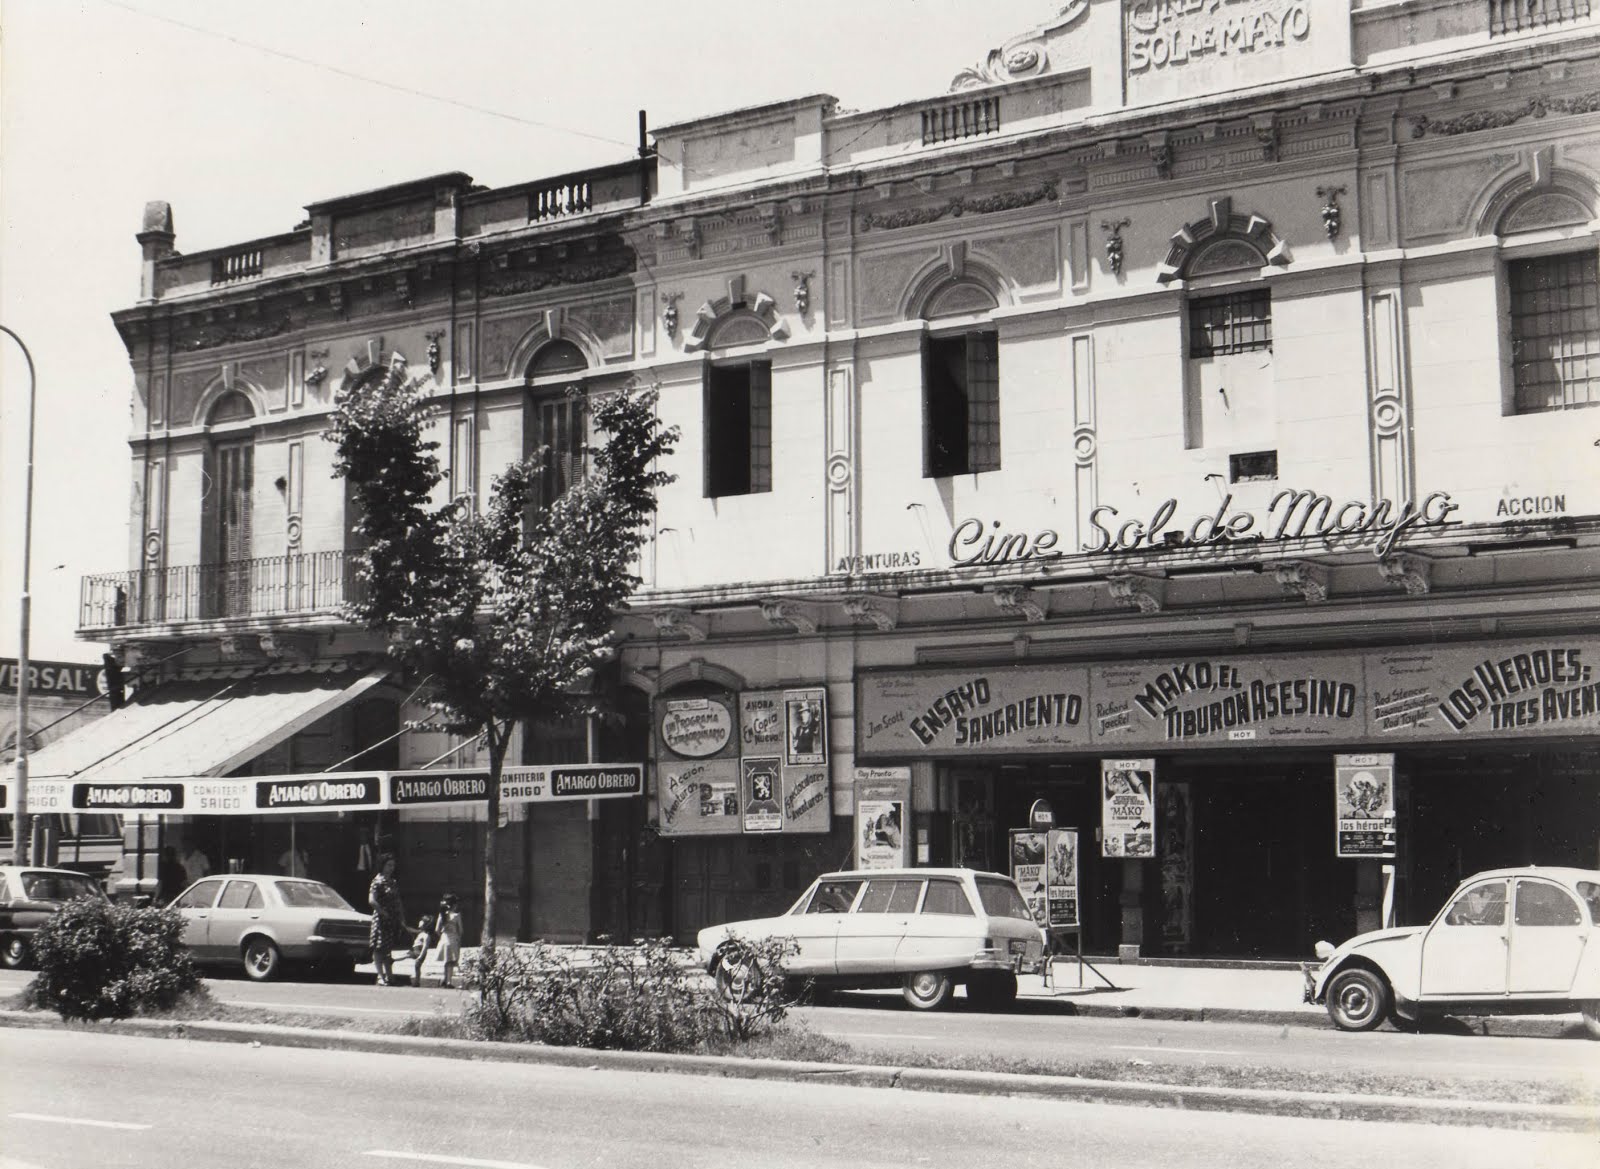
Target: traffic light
{"x": 116, "y": 686}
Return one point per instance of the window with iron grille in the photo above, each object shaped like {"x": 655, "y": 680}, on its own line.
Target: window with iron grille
{"x": 738, "y": 429}
{"x": 558, "y": 423}
{"x": 1555, "y": 332}
{"x": 961, "y": 404}
{"x": 1236, "y": 323}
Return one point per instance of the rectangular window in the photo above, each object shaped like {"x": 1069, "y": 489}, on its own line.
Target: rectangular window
{"x": 1239, "y": 322}
{"x": 1555, "y": 332}
{"x": 738, "y": 429}
{"x": 558, "y": 423}
{"x": 961, "y": 404}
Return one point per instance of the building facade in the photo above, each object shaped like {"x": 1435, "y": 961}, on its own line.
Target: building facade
{"x": 1195, "y": 393}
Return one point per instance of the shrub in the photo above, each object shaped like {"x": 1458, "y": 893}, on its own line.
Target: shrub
{"x": 103, "y": 961}
{"x": 644, "y": 997}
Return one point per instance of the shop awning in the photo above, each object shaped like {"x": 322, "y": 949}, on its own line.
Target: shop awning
{"x": 196, "y": 728}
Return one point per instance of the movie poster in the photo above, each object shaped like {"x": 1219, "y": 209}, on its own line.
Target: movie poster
{"x": 1128, "y": 810}
{"x": 806, "y": 726}
{"x": 762, "y": 812}
{"x": 1364, "y": 792}
{"x": 1061, "y": 877}
{"x": 1027, "y": 869}
{"x": 883, "y": 795}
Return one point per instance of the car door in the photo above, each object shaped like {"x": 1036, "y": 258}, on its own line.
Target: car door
{"x": 869, "y": 935}
{"x": 944, "y": 932}
{"x": 195, "y": 907}
{"x": 8, "y": 913}
{"x": 236, "y": 910}
{"x": 816, "y": 927}
{"x": 1465, "y": 954}
{"x": 1547, "y": 938}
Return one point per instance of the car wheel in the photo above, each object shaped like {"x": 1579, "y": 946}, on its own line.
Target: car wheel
{"x": 1591, "y": 1017}
{"x": 1358, "y": 1000}
{"x": 738, "y": 976}
{"x": 262, "y": 961}
{"x": 14, "y": 953}
{"x": 928, "y": 990}
{"x": 992, "y": 990}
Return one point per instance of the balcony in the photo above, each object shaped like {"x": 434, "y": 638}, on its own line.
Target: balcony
{"x": 1513, "y": 16}
{"x": 272, "y": 586}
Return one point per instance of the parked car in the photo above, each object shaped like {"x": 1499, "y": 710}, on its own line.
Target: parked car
{"x": 1507, "y": 942}
{"x": 29, "y": 895}
{"x": 265, "y": 921}
{"x": 924, "y": 930}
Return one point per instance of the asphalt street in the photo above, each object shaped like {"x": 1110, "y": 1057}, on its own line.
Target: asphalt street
{"x": 74, "y": 1099}
{"x": 1043, "y": 1031}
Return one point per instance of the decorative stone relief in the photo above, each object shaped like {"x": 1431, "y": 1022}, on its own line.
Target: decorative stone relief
{"x": 781, "y": 613}
{"x": 957, "y": 207}
{"x": 802, "y": 291}
{"x": 678, "y": 623}
{"x": 882, "y": 613}
{"x": 669, "y": 312}
{"x": 1018, "y": 601}
{"x": 1304, "y": 579}
{"x": 1407, "y": 573}
{"x": 1113, "y": 230}
{"x": 1143, "y": 593}
{"x": 1534, "y": 107}
{"x": 1021, "y": 56}
{"x": 1332, "y": 215}
{"x": 434, "y": 355}
{"x": 1254, "y": 243}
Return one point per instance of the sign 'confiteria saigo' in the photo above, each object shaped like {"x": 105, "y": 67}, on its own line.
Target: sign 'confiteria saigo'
{"x": 1290, "y": 515}
{"x": 1504, "y": 690}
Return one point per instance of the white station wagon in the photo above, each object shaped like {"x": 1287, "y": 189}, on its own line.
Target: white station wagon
{"x": 1518, "y": 941}
{"x": 924, "y": 930}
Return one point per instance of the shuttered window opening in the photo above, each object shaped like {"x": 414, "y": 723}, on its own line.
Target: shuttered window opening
{"x": 961, "y": 404}
{"x": 738, "y": 430}
{"x": 1239, "y": 322}
{"x": 560, "y": 426}
{"x": 1555, "y": 331}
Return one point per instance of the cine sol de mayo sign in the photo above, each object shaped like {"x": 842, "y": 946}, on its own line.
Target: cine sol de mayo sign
{"x": 1170, "y": 34}
{"x": 1475, "y": 690}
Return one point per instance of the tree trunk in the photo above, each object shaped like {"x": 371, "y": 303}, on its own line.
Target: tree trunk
{"x": 498, "y": 741}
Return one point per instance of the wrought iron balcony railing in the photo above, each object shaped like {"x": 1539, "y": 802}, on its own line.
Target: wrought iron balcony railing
{"x": 315, "y": 582}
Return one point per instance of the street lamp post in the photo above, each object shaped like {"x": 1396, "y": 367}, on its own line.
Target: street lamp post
{"x": 22, "y": 823}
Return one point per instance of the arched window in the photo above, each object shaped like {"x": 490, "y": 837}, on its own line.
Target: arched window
{"x": 960, "y": 385}
{"x": 558, "y": 418}
{"x": 227, "y": 507}
{"x": 1554, "y": 302}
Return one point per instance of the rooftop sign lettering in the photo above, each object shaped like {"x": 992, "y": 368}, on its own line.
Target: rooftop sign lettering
{"x": 1165, "y": 34}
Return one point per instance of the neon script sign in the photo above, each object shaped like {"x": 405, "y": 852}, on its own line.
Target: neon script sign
{"x": 1290, "y": 515}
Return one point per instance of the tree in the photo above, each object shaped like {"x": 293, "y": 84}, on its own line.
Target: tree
{"x": 505, "y": 613}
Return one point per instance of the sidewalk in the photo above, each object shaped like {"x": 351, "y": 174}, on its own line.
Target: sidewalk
{"x": 1193, "y": 993}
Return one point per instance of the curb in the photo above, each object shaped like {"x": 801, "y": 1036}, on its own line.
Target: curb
{"x": 1327, "y": 1106}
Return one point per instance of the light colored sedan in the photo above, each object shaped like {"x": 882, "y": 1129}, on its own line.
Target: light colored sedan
{"x": 265, "y": 921}
{"x": 924, "y": 930}
{"x": 1523, "y": 941}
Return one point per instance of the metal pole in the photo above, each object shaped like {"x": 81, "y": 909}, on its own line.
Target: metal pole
{"x": 22, "y": 822}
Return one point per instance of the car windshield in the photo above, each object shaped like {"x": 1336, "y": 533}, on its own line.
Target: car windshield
{"x": 58, "y": 886}
{"x": 1001, "y": 899}
{"x": 310, "y": 895}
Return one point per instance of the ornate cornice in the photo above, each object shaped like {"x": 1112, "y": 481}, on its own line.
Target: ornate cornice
{"x": 577, "y": 272}
{"x": 882, "y": 613}
{"x": 211, "y": 338}
{"x": 979, "y": 205}
{"x": 1144, "y": 593}
{"x": 678, "y": 622}
{"x": 1408, "y": 573}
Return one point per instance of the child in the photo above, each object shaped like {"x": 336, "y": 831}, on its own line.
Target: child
{"x": 427, "y": 933}
{"x": 448, "y": 930}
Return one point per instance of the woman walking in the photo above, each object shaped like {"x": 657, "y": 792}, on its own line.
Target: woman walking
{"x": 388, "y": 919}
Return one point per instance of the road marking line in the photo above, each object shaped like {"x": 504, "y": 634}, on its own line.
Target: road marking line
{"x": 439, "y": 1159}
{"x": 76, "y": 1120}
{"x": 1173, "y": 1050}
{"x": 880, "y": 1035}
